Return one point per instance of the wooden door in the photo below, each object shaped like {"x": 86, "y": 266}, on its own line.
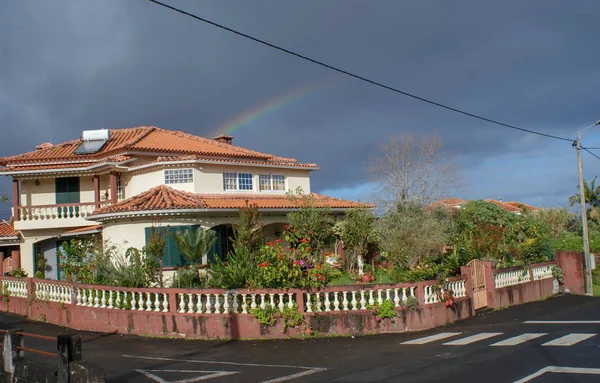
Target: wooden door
{"x": 478, "y": 281}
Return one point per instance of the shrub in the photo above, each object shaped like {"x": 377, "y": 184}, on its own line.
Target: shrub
{"x": 266, "y": 316}
{"x": 188, "y": 278}
{"x": 237, "y": 271}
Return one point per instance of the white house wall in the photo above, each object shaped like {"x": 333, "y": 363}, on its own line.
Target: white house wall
{"x": 208, "y": 178}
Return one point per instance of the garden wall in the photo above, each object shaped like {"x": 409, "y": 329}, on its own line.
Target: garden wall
{"x": 226, "y": 314}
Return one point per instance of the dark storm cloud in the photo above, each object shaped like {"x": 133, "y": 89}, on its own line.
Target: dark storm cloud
{"x": 68, "y": 66}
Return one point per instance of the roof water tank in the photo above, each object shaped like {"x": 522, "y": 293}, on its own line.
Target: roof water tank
{"x": 96, "y": 135}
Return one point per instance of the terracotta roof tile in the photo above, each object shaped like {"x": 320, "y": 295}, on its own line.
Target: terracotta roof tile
{"x": 447, "y": 203}
{"x": 166, "y": 198}
{"x": 84, "y": 229}
{"x": 7, "y": 230}
{"x": 508, "y": 207}
{"x": 521, "y": 206}
{"x": 143, "y": 139}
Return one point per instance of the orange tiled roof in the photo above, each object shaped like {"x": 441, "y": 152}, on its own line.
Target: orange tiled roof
{"x": 85, "y": 229}
{"x": 505, "y": 206}
{"x": 142, "y": 139}
{"x": 521, "y": 205}
{"x": 446, "y": 203}
{"x": 7, "y": 230}
{"x": 165, "y": 198}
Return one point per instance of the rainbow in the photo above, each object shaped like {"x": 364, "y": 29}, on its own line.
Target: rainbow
{"x": 260, "y": 111}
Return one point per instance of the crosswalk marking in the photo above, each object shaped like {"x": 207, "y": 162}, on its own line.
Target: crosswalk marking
{"x": 472, "y": 339}
{"x": 515, "y": 340}
{"x": 432, "y": 338}
{"x": 568, "y": 340}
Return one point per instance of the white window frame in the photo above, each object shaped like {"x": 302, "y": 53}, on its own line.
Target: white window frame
{"x": 235, "y": 176}
{"x": 120, "y": 186}
{"x": 271, "y": 182}
{"x": 179, "y": 176}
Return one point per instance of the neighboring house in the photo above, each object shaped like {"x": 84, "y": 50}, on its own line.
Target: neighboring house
{"x": 514, "y": 207}
{"x": 10, "y": 241}
{"x": 123, "y": 182}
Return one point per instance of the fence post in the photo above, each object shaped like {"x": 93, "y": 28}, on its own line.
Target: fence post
{"x": 11, "y": 354}
{"x": 173, "y": 305}
{"x": 465, "y": 273}
{"x": 490, "y": 284}
{"x": 300, "y": 301}
{"x": 69, "y": 350}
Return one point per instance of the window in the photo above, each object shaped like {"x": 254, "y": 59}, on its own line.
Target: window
{"x": 237, "y": 181}
{"x": 271, "y": 182}
{"x": 179, "y": 176}
{"x": 120, "y": 188}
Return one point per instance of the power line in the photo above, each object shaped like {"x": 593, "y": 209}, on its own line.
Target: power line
{"x": 586, "y": 149}
{"x": 358, "y": 77}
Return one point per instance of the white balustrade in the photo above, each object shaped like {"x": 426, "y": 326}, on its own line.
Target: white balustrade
{"x": 457, "y": 287}
{"x": 112, "y": 299}
{"x": 54, "y": 212}
{"x": 232, "y": 302}
{"x": 345, "y": 300}
{"x": 511, "y": 278}
{"x": 13, "y": 288}
{"x": 53, "y": 292}
{"x": 542, "y": 272}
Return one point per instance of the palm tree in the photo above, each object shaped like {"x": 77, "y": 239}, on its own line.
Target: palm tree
{"x": 193, "y": 245}
{"x": 591, "y": 193}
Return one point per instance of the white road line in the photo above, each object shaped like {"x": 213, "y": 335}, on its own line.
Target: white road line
{"x": 205, "y": 375}
{"x": 562, "y": 322}
{"x": 561, "y": 370}
{"x": 515, "y": 340}
{"x": 569, "y": 340}
{"x": 309, "y": 370}
{"x": 432, "y": 338}
{"x": 472, "y": 339}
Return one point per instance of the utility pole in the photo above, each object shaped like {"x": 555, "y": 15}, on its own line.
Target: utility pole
{"x": 586, "y": 243}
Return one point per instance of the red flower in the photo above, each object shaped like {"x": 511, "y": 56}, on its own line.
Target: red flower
{"x": 319, "y": 267}
{"x": 308, "y": 249}
{"x": 295, "y": 263}
{"x": 278, "y": 241}
{"x": 280, "y": 256}
{"x": 264, "y": 264}
{"x": 270, "y": 244}
{"x": 304, "y": 240}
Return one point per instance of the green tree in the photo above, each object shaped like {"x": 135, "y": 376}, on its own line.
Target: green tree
{"x": 194, "y": 244}
{"x": 591, "y": 194}
{"x": 357, "y": 231}
{"x": 310, "y": 222}
{"x": 154, "y": 252}
{"x": 409, "y": 235}
{"x": 247, "y": 233}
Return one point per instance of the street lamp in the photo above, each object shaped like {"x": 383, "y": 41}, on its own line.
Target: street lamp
{"x": 586, "y": 244}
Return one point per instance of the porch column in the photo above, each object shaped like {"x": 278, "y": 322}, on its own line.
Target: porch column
{"x": 16, "y": 199}
{"x": 97, "y": 190}
{"x": 113, "y": 187}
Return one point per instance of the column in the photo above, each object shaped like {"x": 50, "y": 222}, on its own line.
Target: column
{"x": 97, "y": 190}
{"x": 113, "y": 187}
{"x": 16, "y": 199}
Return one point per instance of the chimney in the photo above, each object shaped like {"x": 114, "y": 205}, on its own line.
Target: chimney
{"x": 224, "y": 139}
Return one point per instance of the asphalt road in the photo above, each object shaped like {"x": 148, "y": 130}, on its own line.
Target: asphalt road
{"x": 500, "y": 346}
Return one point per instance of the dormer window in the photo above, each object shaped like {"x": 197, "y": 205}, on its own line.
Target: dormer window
{"x": 237, "y": 181}
{"x": 179, "y": 176}
{"x": 271, "y": 182}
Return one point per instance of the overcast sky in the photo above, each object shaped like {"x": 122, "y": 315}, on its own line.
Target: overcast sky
{"x": 68, "y": 66}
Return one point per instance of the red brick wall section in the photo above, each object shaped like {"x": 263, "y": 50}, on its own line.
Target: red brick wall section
{"x": 238, "y": 326}
{"x": 571, "y": 263}
{"x": 523, "y": 293}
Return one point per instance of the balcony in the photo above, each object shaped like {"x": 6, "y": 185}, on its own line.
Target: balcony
{"x": 53, "y": 216}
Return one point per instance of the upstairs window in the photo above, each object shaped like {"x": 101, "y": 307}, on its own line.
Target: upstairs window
{"x": 179, "y": 176}
{"x": 120, "y": 188}
{"x": 237, "y": 181}
{"x": 271, "y": 182}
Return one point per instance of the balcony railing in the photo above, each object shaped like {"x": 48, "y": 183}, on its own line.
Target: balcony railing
{"x": 57, "y": 212}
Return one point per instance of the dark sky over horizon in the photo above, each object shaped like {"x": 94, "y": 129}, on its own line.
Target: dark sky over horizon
{"x": 71, "y": 66}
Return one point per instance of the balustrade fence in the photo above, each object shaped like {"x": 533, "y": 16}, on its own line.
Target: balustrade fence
{"x": 214, "y": 301}
{"x": 518, "y": 275}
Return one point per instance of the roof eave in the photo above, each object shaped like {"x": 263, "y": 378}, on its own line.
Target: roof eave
{"x": 176, "y": 212}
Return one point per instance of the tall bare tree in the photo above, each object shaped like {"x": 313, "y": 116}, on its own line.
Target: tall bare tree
{"x": 418, "y": 170}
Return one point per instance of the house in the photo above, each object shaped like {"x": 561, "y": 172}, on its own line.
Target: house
{"x": 10, "y": 240}
{"x": 118, "y": 184}
{"x": 514, "y": 207}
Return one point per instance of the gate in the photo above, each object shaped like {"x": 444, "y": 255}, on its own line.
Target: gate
{"x": 478, "y": 281}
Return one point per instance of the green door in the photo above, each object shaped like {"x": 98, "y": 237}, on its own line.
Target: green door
{"x": 67, "y": 192}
